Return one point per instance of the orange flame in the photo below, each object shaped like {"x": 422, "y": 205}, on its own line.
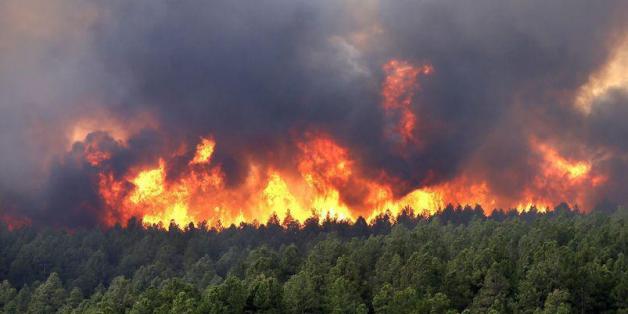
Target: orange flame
{"x": 324, "y": 183}
{"x": 325, "y": 170}
{"x": 327, "y": 179}
{"x": 556, "y": 165}
{"x": 398, "y": 91}
{"x": 204, "y": 151}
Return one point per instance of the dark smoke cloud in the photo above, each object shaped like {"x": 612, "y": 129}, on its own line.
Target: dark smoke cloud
{"x": 257, "y": 76}
{"x": 495, "y": 63}
{"x": 606, "y": 132}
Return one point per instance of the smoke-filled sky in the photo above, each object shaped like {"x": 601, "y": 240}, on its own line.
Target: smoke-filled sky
{"x": 523, "y": 101}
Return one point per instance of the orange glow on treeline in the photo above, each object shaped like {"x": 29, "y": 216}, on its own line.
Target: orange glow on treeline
{"x": 323, "y": 184}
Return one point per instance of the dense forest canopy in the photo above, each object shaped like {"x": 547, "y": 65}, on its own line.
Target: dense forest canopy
{"x": 456, "y": 261}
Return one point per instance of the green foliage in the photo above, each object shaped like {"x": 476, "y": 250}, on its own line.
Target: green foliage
{"x": 265, "y": 295}
{"x": 48, "y": 297}
{"x": 458, "y": 261}
{"x": 228, "y": 297}
{"x": 300, "y": 295}
{"x": 557, "y": 302}
{"x": 7, "y": 293}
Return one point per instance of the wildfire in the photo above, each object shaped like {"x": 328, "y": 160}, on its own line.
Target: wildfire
{"x": 327, "y": 181}
{"x": 327, "y": 178}
{"x": 325, "y": 172}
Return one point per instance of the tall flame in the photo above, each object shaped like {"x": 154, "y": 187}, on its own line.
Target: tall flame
{"x": 328, "y": 179}
{"x": 326, "y": 173}
{"x": 398, "y": 91}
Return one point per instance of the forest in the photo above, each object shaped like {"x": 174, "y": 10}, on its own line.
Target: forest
{"x": 457, "y": 261}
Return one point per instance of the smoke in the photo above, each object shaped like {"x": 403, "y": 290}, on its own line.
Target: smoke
{"x": 141, "y": 79}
